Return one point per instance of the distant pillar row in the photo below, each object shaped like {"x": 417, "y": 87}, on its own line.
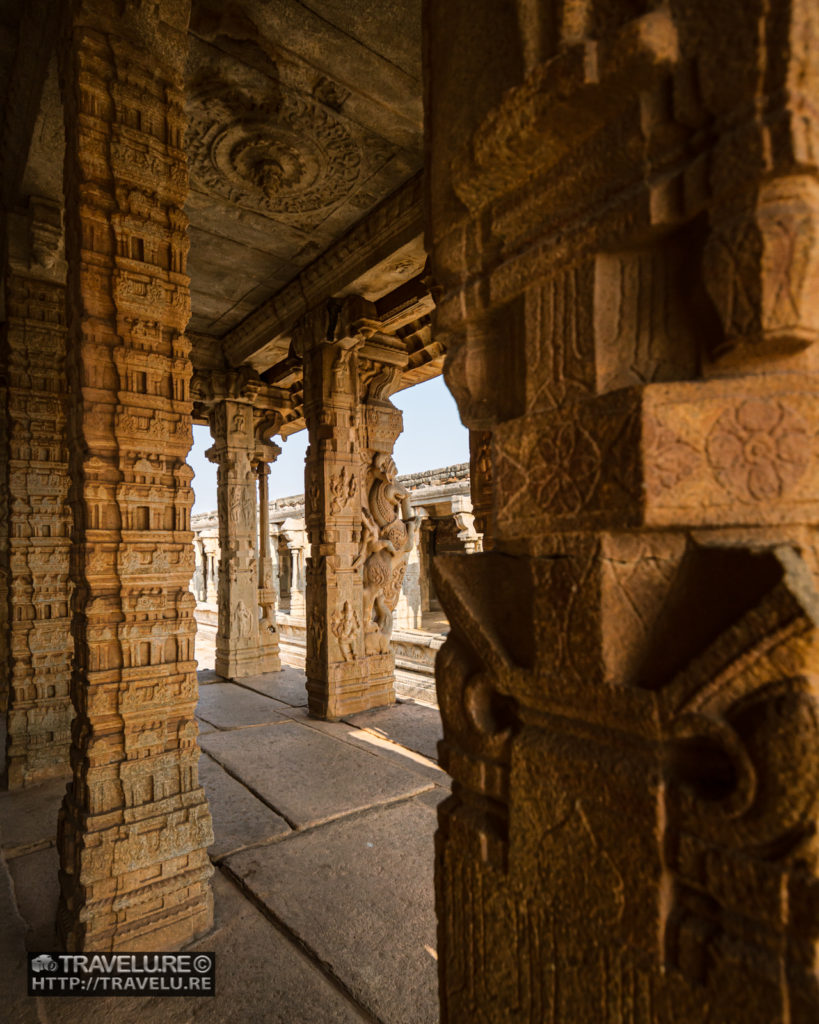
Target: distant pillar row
{"x": 34, "y": 546}
{"x": 357, "y": 516}
{"x": 238, "y": 408}
{"x": 134, "y": 827}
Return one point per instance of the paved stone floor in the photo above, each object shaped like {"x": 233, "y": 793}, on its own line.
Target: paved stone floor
{"x": 323, "y": 860}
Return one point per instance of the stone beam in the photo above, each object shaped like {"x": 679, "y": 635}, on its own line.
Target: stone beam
{"x": 393, "y": 223}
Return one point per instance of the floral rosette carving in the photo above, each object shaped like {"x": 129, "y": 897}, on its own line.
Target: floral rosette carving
{"x": 759, "y": 450}
{"x": 571, "y": 470}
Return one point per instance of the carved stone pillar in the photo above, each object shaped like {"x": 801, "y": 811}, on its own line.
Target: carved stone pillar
{"x": 295, "y": 537}
{"x": 481, "y": 483}
{"x": 408, "y": 610}
{"x": 629, "y": 687}
{"x": 266, "y": 452}
{"x": 35, "y": 545}
{"x": 210, "y": 545}
{"x": 134, "y": 826}
{"x": 230, "y": 408}
{"x": 357, "y": 516}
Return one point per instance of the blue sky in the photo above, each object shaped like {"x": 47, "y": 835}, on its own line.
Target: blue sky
{"x": 433, "y": 436}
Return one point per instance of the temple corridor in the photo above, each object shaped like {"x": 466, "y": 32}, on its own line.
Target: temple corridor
{"x": 324, "y": 905}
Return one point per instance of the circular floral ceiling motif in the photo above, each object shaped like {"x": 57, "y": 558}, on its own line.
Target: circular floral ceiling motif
{"x": 292, "y": 159}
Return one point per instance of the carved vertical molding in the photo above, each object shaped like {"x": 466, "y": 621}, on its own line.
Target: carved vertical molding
{"x": 36, "y": 535}
{"x": 135, "y": 826}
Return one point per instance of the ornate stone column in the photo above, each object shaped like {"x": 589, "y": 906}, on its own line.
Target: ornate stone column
{"x": 408, "y": 609}
{"x": 624, "y": 220}
{"x": 134, "y": 826}
{"x": 230, "y": 398}
{"x": 266, "y": 452}
{"x": 358, "y": 518}
{"x": 481, "y": 483}
{"x": 34, "y": 551}
{"x": 210, "y": 545}
{"x": 296, "y": 536}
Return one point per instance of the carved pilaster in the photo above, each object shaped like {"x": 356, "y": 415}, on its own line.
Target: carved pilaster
{"x": 356, "y": 514}
{"x": 135, "y": 826}
{"x": 481, "y": 482}
{"x": 231, "y": 424}
{"x": 628, "y": 689}
{"x": 210, "y": 548}
{"x": 35, "y": 544}
{"x": 266, "y": 452}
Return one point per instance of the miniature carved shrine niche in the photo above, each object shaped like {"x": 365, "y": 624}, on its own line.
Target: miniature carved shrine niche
{"x": 628, "y": 690}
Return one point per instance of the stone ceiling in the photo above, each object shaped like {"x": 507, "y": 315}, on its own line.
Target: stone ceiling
{"x": 305, "y": 115}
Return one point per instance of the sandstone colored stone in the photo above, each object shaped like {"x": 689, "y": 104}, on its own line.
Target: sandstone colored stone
{"x": 29, "y": 820}
{"x": 314, "y": 883}
{"x": 260, "y": 977}
{"x": 228, "y": 706}
{"x": 239, "y": 818}
{"x": 288, "y": 685}
{"x": 411, "y": 725}
{"x": 626, "y": 695}
{"x": 308, "y": 777}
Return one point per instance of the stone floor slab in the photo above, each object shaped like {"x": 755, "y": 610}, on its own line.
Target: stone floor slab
{"x": 372, "y": 741}
{"x": 416, "y": 726}
{"x": 228, "y": 706}
{"x": 308, "y": 776}
{"x": 205, "y": 676}
{"x": 239, "y": 819}
{"x": 359, "y": 892}
{"x": 261, "y": 978}
{"x": 28, "y": 817}
{"x": 17, "y": 1007}
{"x": 289, "y": 685}
{"x": 37, "y": 891}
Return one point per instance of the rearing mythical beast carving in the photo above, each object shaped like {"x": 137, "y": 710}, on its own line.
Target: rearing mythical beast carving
{"x": 388, "y": 534}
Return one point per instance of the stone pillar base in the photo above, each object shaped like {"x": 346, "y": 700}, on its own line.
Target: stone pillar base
{"x": 269, "y": 660}
{"x": 233, "y": 664}
{"x": 347, "y": 696}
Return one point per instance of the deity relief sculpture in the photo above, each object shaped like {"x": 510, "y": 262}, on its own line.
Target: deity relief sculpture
{"x": 342, "y": 490}
{"x": 345, "y": 626}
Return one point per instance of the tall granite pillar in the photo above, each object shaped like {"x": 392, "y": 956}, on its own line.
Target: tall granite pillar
{"x": 231, "y": 423}
{"x": 265, "y": 453}
{"x": 134, "y": 827}
{"x": 210, "y": 545}
{"x": 357, "y": 517}
{"x": 35, "y": 543}
{"x": 624, "y": 221}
